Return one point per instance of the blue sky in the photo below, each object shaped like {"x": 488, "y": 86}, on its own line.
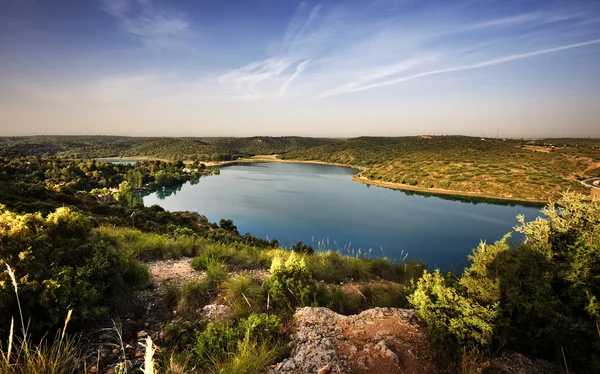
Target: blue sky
{"x": 332, "y": 68}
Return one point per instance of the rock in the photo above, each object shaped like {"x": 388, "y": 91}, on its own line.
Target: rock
{"x": 142, "y": 334}
{"x": 325, "y": 369}
{"x": 515, "y": 363}
{"x": 216, "y": 312}
{"x": 380, "y": 340}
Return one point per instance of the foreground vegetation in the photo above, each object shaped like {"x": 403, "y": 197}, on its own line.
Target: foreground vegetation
{"x": 71, "y": 255}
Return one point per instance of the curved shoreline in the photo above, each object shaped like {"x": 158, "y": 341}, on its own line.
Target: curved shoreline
{"x": 391, "y": 185}
{"x": 437, "y": 191}
{"x": 273, "y": 158}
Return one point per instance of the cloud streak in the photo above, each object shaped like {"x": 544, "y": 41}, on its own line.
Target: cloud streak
{"x": 299, "y": 69}
{"x": 148, "y": 20}
{"x": 294, "y": 50}
{"x": 501, "y": 60}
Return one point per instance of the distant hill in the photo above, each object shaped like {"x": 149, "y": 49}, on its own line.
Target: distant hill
{"x": 506, "y": 168}
{"x": 205, "y": 149}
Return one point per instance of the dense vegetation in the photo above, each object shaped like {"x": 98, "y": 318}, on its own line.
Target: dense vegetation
{"x": 539, "y": 297}
{"x": 203, "y": 149}
{"x": 491, "y": 167}
{"x": 69, "y": 243}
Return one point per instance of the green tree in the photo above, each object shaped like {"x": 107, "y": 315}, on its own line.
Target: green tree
{"x": 134, "y": 177}
{"x": 126, "y": 193}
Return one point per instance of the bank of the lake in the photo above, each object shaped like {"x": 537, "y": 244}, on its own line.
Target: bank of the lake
{"x": 451, "y": 193}
{"x": 396, "y": 186}
{"x": 322, "y": 206}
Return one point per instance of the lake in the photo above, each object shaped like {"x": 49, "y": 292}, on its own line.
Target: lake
{"x": 321, "y": 206}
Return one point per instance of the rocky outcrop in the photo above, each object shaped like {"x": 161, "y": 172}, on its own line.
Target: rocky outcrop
{"x": 380, "y": 340}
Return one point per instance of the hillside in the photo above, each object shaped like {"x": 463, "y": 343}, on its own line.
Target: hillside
{"x": 203, "y": 149}
{"x": 531, "y": 170}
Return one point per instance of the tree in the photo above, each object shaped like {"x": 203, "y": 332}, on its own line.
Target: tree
{"x": 126, "y": 193}
{"x": 134, "y": 177}
{"x": 227, "y": 224}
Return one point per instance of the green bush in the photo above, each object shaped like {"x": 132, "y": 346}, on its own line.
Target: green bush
{"x": 444, "y": 183}
{"x": 450, "y": 315}
{"x": 540, "y": 297}
{"x": 244, "y": 295}
{"x": 385, "y": 296}
{"x": 216, "y": 272}
{"x": 149, "y": 246}
{"x": 409, "y": 180}
{"x": 194, "y": 295}
{"x": 60, "y": 264}
{"x": 428, "y": 183}
{"x": 302, "y": 248}
{"x": 338, "y": 300}
{"x": 290, "y": 284}
{"x": 219, "y": 341}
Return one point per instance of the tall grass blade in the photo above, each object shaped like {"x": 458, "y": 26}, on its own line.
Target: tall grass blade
{"x": 14, "y": 282}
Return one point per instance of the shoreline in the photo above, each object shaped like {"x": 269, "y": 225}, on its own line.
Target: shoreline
{"x": 363, "y": 180}
{"x": 391, "y": 185}
{"x": 273, "y": 158}
{"x": 437, "y": 191}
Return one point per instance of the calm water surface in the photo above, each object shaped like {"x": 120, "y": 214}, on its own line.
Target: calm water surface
{"x": 314, "y": 203}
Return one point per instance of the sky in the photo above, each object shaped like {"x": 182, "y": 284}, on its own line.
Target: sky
{"x": 517, "y": 68}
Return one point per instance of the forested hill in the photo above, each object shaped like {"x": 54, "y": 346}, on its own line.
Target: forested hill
{"x": 204, "y": 149}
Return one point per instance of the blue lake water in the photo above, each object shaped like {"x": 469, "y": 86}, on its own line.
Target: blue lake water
{"x": 321, "y": 203}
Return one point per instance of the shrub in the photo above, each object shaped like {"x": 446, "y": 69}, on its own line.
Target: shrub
{"x": 212, "y": 251}
{"x": 535, "y": 297}
{"x": 302, "y": 248}
{"x": 449, "y": 315}
{"x": 385, "y": 296}
{"x": 218, "y": 342}
{"x": 336, "y": 299}
{"x": 444, "y": 183}
{"x": 149, "y": 246}
{"x": 409, "y": 180}
{"x": 216, "y": 272}
{"x": 290, "y": 284}
{"x": 194, "y": 295}
{"x": 428, "y": 183}
{"x": 60, "y": 264}
{"x": 246, "y": 357}
{"x": 244, "y": 295}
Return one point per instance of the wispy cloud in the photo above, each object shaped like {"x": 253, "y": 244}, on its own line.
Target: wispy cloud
{"x": 306, "y": 32}
{"x": 391, "y": 47}
{"x": 347, "y": 89}
{"x": 246, "y": 79}
{"x": 151, "y": 22}
{"x": 299, "y": 69}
